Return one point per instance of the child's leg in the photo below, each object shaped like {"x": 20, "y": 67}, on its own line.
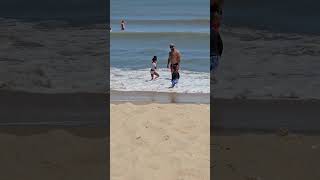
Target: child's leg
{"x": 151, "y": 76}
{"x": 156, "y": 74}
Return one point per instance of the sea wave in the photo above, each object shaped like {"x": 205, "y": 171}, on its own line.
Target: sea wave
{"x": 143, "y": 34}
{"x": 265, "y": 64}
{"x": 139, "y": 80}
{"x": 165, "y": 21}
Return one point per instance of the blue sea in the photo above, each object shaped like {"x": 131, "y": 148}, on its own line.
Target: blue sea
{"x": 150, "y": 27}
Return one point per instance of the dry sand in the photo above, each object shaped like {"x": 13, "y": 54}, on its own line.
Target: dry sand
{"x": 265, "y": 156}
{"x": 247, "y": 143}
{"x": 160, "y": 141}
{"x": 51, "y": 154}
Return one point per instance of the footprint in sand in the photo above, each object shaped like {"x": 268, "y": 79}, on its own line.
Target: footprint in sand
{"x": 231, "y": 166}
{"x": 166, "y": 137}
{"x": 140, "y": 141}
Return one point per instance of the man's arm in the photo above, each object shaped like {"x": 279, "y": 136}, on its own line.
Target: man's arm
{"x": 179, "y": 57}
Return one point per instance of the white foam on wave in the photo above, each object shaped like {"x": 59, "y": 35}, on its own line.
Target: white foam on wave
{"x": 139, "y": 80}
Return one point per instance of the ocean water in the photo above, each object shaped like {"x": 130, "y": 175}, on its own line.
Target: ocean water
{"x": 271, "y": 50}
{"x": 69, "y": 59}
{"x": 78, "y": 12}
{"x": 54, "y": 46}
{"x": 151, "y": 27}
{"x": 289, "y": 16}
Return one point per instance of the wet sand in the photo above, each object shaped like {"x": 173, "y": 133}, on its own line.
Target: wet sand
{"x": 159, "y": 97}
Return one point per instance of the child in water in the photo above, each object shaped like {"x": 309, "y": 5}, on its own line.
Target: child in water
{"x": 175, "y": 76}
{"x": 153, "y": 71}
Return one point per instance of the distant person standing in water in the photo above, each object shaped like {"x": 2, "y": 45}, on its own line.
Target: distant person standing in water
{"x": 174, "y": 59}
{"x": 122, "y": 25}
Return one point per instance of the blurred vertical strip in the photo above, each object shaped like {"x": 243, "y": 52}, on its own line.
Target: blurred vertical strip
{"x": 216, "y": 47}
{"x": 216, "y": 44}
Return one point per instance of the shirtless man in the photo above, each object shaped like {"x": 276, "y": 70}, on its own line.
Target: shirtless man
{"x": 174, "y": 58}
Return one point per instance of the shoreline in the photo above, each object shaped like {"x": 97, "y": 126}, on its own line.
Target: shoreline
{"x": 265, "y": 116}
{"x": 22, "y": 109}
{"x": 158, "y": 97}
{"x": 229, "y": 116}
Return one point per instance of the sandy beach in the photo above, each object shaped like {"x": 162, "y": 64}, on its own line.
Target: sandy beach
{"x": 48, "y": 153}
{"x": 54, "y": 110}
{"x": 158, "y": 132}
{"x": 53, "y": 136}
{"x": 256, "y": 139}
{"x": 160, "y": 141}
{"x": 253, "y": 156}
